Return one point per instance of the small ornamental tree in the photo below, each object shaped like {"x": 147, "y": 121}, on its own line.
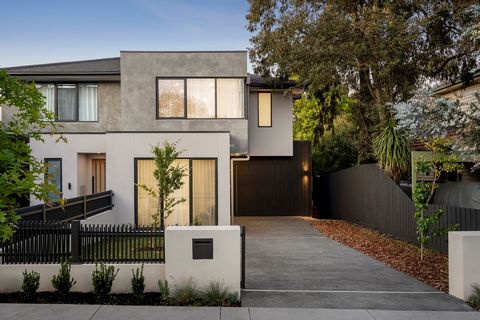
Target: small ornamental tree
{"x": 440, "y": 164}
{"x": 21, "y": 175}
{"x": 169, "y": 176}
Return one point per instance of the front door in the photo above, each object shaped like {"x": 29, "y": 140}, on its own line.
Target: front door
{"x": 98, "y": 175}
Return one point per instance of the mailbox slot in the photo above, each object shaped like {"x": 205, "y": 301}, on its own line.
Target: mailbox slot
{"x": 202, "y": 248}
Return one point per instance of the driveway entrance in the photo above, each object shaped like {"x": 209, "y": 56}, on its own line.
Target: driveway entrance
{"x": 290, "y": 264}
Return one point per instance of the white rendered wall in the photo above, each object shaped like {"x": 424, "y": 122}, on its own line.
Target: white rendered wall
{"x": 11, "y": 276}
{"x": 225, "y": 265}
{"x": 76, "y": 143}
{"x": 463, "y": 262}
{"x": 123, "y": 148}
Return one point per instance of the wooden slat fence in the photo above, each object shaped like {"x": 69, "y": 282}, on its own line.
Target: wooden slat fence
{"x": 365, "y": 195}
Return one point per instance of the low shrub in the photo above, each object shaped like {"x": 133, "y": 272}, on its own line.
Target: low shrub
{"x": 232, "y": 299}
{"x": 185, "y": 292}
{"x": 62, "y": 281}
{"x": 138, "y": 283}
{"x": 102, "y": 279}
{"x": 164, "y": 291}
{"x": 31, "y": 283}
{"x": 474, "y": 299}
{"x": 214, "y": 294}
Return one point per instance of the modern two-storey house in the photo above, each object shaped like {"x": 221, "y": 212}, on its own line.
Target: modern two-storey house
{"x": 234, "y": 130}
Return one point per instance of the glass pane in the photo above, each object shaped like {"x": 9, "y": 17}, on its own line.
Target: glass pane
{"x": 230, "y": 97}
{"x": 147, "y": 205}
{"x": 264, "y": 109}
{"x": 87, "y": 99}
{"x": 54, "y": 176}
{"x": 171, "y": 98}
{"x": 48, "y": 91}
{"x": 204, "y": 192}
{"x": 67, "y": 102}
{"x": 201, "y": 98}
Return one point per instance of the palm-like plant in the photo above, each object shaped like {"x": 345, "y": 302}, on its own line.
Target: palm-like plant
{"x": 392, "y": 150}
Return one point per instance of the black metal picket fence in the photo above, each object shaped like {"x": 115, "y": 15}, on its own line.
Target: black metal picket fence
{"x": 53, "y": 242}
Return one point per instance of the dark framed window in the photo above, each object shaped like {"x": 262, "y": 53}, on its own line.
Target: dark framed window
{"x": 264, "y": 113}
{"x": 200, "y": 98}
{"x": 54, "y": 177}
{"x": 71, "y": 101}
{"x": 199, "y": 191}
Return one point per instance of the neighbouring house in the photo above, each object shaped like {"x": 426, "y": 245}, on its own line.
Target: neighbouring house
{"x": 234, "y": 130}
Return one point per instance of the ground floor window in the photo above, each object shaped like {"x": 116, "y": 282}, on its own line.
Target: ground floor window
{"x": 199, "y": 191}
{"x": 54, "y": 177}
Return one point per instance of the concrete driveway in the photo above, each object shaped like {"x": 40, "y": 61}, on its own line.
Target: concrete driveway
{"x": 291, "y": 264}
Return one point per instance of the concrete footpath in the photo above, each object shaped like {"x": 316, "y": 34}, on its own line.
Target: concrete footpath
{"x": 104, "y": 312}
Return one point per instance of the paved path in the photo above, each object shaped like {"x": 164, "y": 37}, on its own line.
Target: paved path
{"x": 291, "y": 264}
{"x": 97, "y": 312}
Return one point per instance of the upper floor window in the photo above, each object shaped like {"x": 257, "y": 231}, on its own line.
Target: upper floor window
{"x": 71, "y": 102}
{"x": 201, "y": 98}
{"x": 264, "y": 109}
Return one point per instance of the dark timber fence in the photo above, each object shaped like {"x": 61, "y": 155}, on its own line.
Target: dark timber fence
{"x": 53, "y": 242}
{"x": 74, "y": 208}
{"x": 365, "y": 195}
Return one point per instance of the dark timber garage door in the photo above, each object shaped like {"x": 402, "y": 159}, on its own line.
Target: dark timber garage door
{"x": 274, "y": 186}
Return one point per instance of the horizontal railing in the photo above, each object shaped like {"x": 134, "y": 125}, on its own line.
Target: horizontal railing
{"x": 72, "y": 209}
{"x": 53, "y": 242}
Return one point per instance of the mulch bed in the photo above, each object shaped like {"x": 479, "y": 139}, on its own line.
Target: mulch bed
{"x": 149, "y": 299}
{"x": 401, "y": 255}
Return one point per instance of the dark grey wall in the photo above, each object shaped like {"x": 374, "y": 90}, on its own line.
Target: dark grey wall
{"x": 365, "y": 195}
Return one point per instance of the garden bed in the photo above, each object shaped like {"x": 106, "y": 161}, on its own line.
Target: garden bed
{"x": 149, "y": 298}
{"x": 400, "y": 255}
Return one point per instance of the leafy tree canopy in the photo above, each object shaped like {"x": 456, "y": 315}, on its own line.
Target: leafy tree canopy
{"x": 21, "y": 175}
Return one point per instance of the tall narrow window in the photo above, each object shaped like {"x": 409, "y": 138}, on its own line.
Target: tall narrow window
{"x": 87, "y": 102}
{"x": 54, "y": 177}
{"x": 66, "y": 102}
{"x": 264, "y": 109}
{"x": 204, "y": 192}
{"x": 171, "y": 98}
{"x": 201, "y": 98}
{"x": 48, "y": 92}
{"x": 230, "y": 96}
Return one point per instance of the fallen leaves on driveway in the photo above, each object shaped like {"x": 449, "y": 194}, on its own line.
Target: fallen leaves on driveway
{"x": 401, "y": 255}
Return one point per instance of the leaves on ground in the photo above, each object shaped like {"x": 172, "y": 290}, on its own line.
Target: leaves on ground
{"x": 401, "y": 255}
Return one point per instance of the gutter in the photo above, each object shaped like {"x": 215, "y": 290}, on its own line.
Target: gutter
{"x": 232, "y": 204}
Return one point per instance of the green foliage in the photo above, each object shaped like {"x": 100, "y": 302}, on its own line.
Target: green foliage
{"x": 62, "y": 281}
{"x": 169, "y": 179}
{"x": 474, "y": 299}
{"x": 138, "y": 282}
{"x": 102, "y": 279}
{"x": 232, "y": 299}
{"x": 31, "y": 283}
{"x": 185, "y": 292}
{"x": 214, "y": 294}
{"x": 164, "y": 290}
{"x": 335, "y": 151}
{"x": 19, "y": 170}
{"x": 392, "y": 151}
{"x": 439, "y": 165}
{"x": 379, "y": 51}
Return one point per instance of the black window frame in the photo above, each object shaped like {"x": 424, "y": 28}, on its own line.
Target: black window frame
{"x": 271, "y": 109}
{"x": 46, "y": 160}
{"x": 185, "y": 101}
{"x": 190, "y": 191}
{"x": 77, "y": 99}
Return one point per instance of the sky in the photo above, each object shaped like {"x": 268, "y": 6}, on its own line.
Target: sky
{"x": 45, "y": 31}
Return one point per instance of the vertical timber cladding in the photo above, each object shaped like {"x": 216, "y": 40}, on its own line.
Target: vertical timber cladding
{"x": 274, "y": 186}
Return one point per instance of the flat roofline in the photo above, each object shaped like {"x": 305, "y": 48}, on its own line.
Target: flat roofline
{"x": 187, "y": 51}
{"x": 57, "y": 63}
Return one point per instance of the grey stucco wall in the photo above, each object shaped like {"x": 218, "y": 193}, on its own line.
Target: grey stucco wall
{"x": 109, "y": 112}
{"x": 138, "y": 94}
{"x": 278, "y": 139}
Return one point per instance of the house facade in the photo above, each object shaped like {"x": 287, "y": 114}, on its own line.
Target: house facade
{"x": 112, "y": 111}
